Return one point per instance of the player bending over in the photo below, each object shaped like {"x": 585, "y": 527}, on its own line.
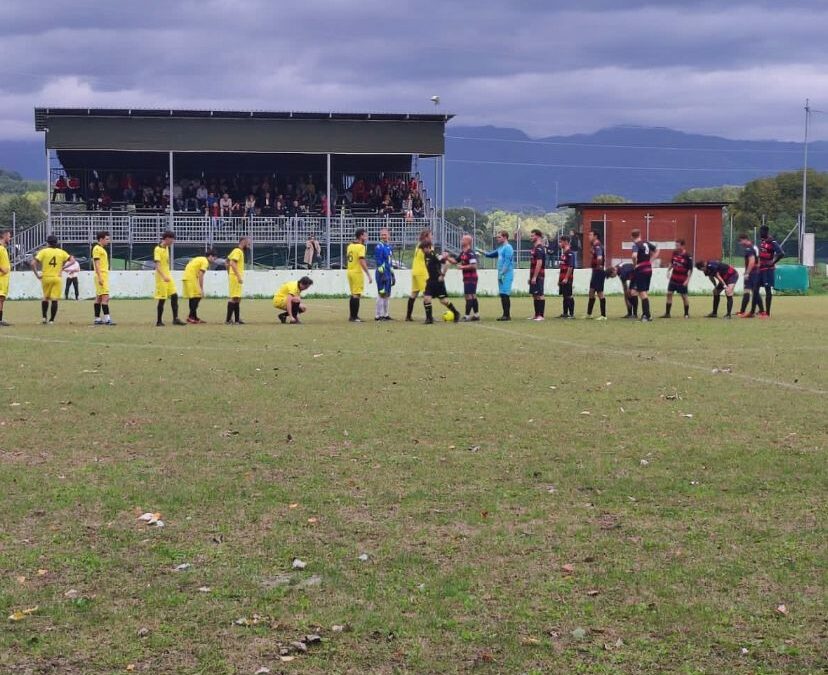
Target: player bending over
{"x": 48, "y": 265}
{"x": 289, "y": 299}
{"x": 356, "y": 268}
{"x": 383, "y": 254}
{"x": 752, "y": 279}
{"x": 680, "y": 270}
{"x": 624, "y": 273}
{"x": 724, "y": 278}
{"x": 566, "y": 273}
{"x": 235, "y": 280}
{"x": 194, "y": 282}
{"x": 596, "y": 280}
{"x": 436, "y": 284}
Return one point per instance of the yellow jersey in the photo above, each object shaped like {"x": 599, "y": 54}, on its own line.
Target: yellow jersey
{"x": 162, "y": 261}
{"x": 290, "y": 288}
{"x": 356, "y": 252}
{"x": 99, "y": 253}
{"x": 52, "y": 261}
{"x": 5, "y": 264}
{"x": 196, "y": 265}
{"x": 418, "y": 266}
{"x": 238, "y": 256}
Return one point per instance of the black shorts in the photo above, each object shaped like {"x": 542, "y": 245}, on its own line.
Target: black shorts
{"x": 436, "y": 289}
{"x": 537, "y": 287}
{"x": 732, "y": 279}
{"x": 596, "y": 281}
{"x": 752, "y": 282}
{"x": 641, "y": 281}
{"x": 469, "y": 288}
{"x": 676, "y": 287}
{"x": 565, "y": 289}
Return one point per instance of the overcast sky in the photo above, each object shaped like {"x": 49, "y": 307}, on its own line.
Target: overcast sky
{"x": 735, "y": 68}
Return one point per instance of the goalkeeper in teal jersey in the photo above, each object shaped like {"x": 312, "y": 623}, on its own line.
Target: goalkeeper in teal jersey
{"x": 384, "y": 275}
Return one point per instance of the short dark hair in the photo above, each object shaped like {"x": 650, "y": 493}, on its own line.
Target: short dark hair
{"x": 504, "y": 233}
{"x": 211, "y": 252}
{"x": 306, "y": 282}
{"x": 743, "y": 235}
{"x": 537, "y": 232}
{"x": 565, "y": 238}
{"x": 680, "y": 242}
{"x": 359, "y": 233}
{"x": 611, "y": 271}
{"x": 635, "y": 233}
{"x": 168, "y": 234}
{"x": 700, "y": 264}
{"x": 426, "y": 244}
{"x": 101, "y": 235}
{"x": 764, "y": 231}
{"x": 52, "y": 240}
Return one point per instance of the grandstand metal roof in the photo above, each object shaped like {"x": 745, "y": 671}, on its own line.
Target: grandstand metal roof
{"x": 163, "y": 130}
{"x": 640, "y": 205}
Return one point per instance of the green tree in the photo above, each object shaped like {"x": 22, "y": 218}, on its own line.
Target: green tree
{"x": 609, "y": 199}
{"x": 723, "y": 193}
{"x": 26, "y": 212}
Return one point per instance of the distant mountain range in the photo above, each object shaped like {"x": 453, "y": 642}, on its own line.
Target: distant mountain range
{"x": 491, "y": 167}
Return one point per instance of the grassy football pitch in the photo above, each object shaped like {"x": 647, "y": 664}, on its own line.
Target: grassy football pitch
{"x": 528, "y": 498}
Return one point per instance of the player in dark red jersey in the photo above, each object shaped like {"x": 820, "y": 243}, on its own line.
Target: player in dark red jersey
{"x": 770, "y": 253}
{"x": 724, "y": 278}
{"x": 681, "y": 267}
{"x": 566, "y": 273}
{"x": 624, "y": 273}
{"x": 642, "y": 252}
{"x": 537, "y": 274}
{"x": 751, "y": 291}
{"x": 466, "y": 261}
{"x": 596, "y": 281}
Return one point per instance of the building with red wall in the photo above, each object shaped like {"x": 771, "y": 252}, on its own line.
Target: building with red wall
{"x": 700, "y": 224}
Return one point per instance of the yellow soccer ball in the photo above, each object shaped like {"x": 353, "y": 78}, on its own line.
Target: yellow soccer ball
{"x": 448, "y": 315}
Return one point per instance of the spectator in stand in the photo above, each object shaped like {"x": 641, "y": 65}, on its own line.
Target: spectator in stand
{"x": 225, "y": 206}
{"x": 165, "y": 197}
{"x": 178, "y": 194}
{"x": 201, "y": 196}
{"x": 105, "y": 201}
{"x": 113, "y": 185}
{"x": 265, "y": 203}
{"x": 211, "y": 207}
{"x": 408, "y": 208}
{"x": 313, "y": 252}
{"x": 128, "y": 187}
{"x": 387, "y": 208}
{"x": 148, "y": 196}
{"x": 324, "y": 205}
{"x": 250, "y": 206}
{"x": 59, "y": 190}
{"x": 279, "y": 209}
{"x": 73, "y": 188}
{"x": 419, "y": 208}
{"x": 93, "y": 192}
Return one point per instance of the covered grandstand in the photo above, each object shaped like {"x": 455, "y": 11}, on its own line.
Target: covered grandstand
{"x": 213, "y": 176}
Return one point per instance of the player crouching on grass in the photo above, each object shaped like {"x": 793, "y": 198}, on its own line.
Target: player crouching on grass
{"x": 194, "y": 282}
{"x": 436, "y": 284}
{"x": 289, "y": 299}
{"x": 51, "y": 261}
{"x": 724, "y": 278}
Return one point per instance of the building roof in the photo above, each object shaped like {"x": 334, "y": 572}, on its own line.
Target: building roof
{"x": 42, "y": 114}
{"x": 642, "y": 205}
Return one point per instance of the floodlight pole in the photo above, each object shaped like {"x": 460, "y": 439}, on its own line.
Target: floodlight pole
{"x": 443, "y": 198}
{"x": 328, "y": 214}
{"x": 804, "y": 181}
{"x": 172, "y": 200}
{"x": 436, "y": 208}
{"x": 48, "y": 194}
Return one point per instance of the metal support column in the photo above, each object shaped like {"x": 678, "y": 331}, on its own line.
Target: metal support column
{"x": 48, "y": 194}
{"x": 435, "y": 204}
{"x": 330, "y": 207}
{"x": 172, "y": 198}
{"x": 443, "y": 197}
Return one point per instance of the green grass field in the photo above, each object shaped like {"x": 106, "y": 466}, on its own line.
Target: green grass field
{"x": 532, "y": 498}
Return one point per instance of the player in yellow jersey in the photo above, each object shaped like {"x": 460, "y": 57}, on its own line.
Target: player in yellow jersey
{"x": 100, "y": 261}
{"x": 419, "y": 274}
{"x": 356, "y": 268}
{"x": 194, "y": 282}
{"x": 164, "y": 284}
{"x": 48, "y": 265}
{"x": 289, "y": 299}
{"x": 235, "y": 278}
{"x": 5, "y": 272}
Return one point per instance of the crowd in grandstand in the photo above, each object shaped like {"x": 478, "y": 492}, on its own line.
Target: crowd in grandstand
{"x": 246, "y": 196}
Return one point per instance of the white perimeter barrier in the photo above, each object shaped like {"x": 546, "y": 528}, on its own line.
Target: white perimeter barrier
{"x": 141, "y": 284}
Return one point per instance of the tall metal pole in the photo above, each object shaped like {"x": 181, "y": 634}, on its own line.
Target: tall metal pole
{"x": 443, "y": 197}
{"x": 436, "y": 208}
{"x": 172, "y": 216}
{"x": 804, "y": 180}
{"x": 330, "y": 206}
{"x": 48, "y": 194}
{"x": 730, "y": 252}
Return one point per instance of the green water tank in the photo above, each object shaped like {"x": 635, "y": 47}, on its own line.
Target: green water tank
{"x": 791, "y": 278}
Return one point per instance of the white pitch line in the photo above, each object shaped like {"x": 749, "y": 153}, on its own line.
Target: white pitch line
{"x": 670, "y": 362}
